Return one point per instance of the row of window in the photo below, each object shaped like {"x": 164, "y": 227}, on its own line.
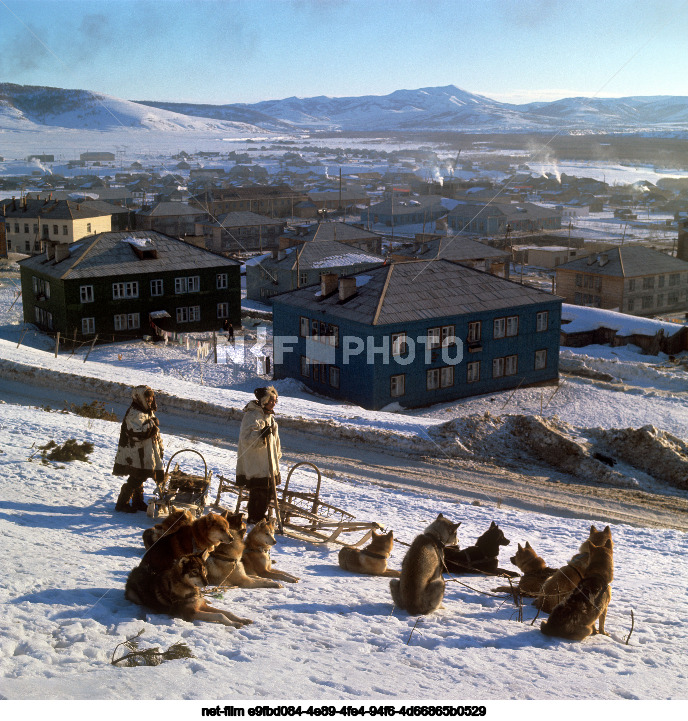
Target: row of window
{"x": 27, "y": 246}
{"x": 649, "y": 282}
{"x": 46, "y": 229}
{"x": 130, "y": 289}
{"x": 319, "y": 331}
{"x": 437, "y": 378}
{"x": 132, "y": 321}
{"x": 320, "y": 372}
{"x": 651, "y": 301}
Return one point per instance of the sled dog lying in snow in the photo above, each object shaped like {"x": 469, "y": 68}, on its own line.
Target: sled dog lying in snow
{"x": 224, "y": 564}
{"x": 202, "y": 534}
{"x": 256, "y": 557}
{"x": 535, "y": 571}
{"x": 372, "y": 559}
{"x": 480, "y": 558}
{"x": 176, "y": 591}
{"x": 420, "y": 589}
{"x": 575, "y": 617}
{"x": 176, "y": 520}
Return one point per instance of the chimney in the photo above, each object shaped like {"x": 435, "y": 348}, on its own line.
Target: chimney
{"x": 603, "y": 259}
{"x": 275, "y": 253}
{"x": 328, "y": 283}
{"x": 49, "y": 251}
{"x": 285, "y": 242}
{"x": 61, "y": 252}
{"x": 591, "y": 259}
{"x": 347, "y": 288}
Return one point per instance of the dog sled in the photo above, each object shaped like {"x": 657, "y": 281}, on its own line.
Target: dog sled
{"x": 302, "y": 514}
{"x": 180, "y": 489}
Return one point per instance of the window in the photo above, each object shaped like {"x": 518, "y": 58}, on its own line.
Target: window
{"x": 397, "y": 385}
{"x": 182, "y": 315}
{"x": 180, "y": 285}
{"x": 448, "y": 335}
{"x": 121, "y": 321}
{"x": 194, "y": 284}
{"x": 41, "y": 288}
{"x": 541, "y": 321}
{"x": 672, "y": 297}
{"x": 221, "y": 281}
{"x": 127, "y": 321}
{"x": 660, "y": 300}
{"x": 434, "y": 337}
{"x": 540, "y": 359}
{"x": 579, "y": 280}
{"x": 473, "y": 372}
{"x": 446, "y": 377}
{"x": 26, "y": 228}
{"x": 133, "y": 320}
{"x": 432, "y": 379}
{"x": 156, "y": 287}
{"x": 27, "y": 246}
{"x": 499, "y": 327}
{"x": 223, "y": 310}
{"x": 88, "y": 326}
{"x": 497, "y": 367}
{"x": 511, "y": 365}
{"x": 512, "y": 325}
{"x": 631, "y": 303}
{"x": 334, "y": 376}
{"x": 631, "y": 284}
{"x": 86, "y": 293}
{"x": 65, "y": 230}
{"x": 56, "y": 230}
{"x": 303, "y": 277}
{"x": 675, "y": 279}
{"x": 398, "y": 343}
{"x": 315, "y": 327}
{"x": 88, "y": 227}
{"x": 43, "y": 317}
{"x": 333, "y": 335}
{"x": 46, "y": 231}
{"x": 647, "y": 301}
{"x": 660, "y": 281}
{"x": 16, "y": 227}
{"x": 648, "y": 283}
{"x": 474, "y": 330}
{"x": 304, "y": 327}
{"x": 194, "y": 313}
{"x": 305, "y": 369}
{"x": 125, "y": 290}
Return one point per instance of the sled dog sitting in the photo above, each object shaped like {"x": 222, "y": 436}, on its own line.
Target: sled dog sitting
{"x": 203, "y": 534}
{"x": 560, "y": 584}
{"x": 224, "y": 564}
{"x": 420, "y": 589}
{"x": 372, "y": 559}
{"x": 535, "y": 571}
{"x": 480, "y": 558}
{"x": 575, "y": 617}
{"x": 256, "y": 557}
{"x": 176, "y": 591}
{"x": 175, "y": 521}
{"x": 597, "y": 538}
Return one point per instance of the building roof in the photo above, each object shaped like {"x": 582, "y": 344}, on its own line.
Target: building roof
{"x": 168, "y": 209}
{"x": 407, "y": 206}
{"x": 627, "y": 261}
{"x": 411, "y": 291}
{"x": 243, "y": 219}
{"x": 112, "y": 254}
{"x": 320, "y": 254}
{"x": 456, "y": 248}
{"x": 338, "y": 231}
{"x": 510, "y": 211}
{"x": 51, "y": 209}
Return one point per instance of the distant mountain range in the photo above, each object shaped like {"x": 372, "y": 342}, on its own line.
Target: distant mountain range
{"x": 449, "y": 108}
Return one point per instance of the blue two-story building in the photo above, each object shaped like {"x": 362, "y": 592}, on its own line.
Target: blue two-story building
{"x": 416, "y": 333}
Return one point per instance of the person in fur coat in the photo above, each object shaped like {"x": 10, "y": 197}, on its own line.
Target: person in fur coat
{"x": 253, "y": 470}
{"x": 140, "y": 451}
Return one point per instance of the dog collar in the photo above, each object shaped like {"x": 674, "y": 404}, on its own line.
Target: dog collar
{"x": 373, "y": 555}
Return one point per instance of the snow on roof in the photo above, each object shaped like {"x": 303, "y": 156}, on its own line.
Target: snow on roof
{"x": 143, "y": 243}
{"x": 585, "y": 319}
{"x": 362, "y": 280}
{"x": 334, "y": 261}
{"x": 258, "y": 259}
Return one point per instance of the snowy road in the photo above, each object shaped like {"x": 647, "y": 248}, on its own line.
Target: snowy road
{"x": 533, "y": 488}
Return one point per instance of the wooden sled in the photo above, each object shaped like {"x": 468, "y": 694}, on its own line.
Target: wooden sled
{"x": 304, "y": 516}
{"x": 180, "y": 489}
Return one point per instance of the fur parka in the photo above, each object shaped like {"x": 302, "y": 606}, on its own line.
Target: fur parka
{"x": 252, "y": 467}
{"x": 140, "y": 445}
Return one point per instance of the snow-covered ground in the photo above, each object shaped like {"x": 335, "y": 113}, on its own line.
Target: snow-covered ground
{"x": 333, "y": 635}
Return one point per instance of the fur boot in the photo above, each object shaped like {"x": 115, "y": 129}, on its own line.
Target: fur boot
{"x": 258, "y": 502}
{"x": 125, "y": 494}
{"x": 137, "y": 502}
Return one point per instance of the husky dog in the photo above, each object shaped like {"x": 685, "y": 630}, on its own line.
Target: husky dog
{"x": 598, "y": 538}
{"x": 535, "y": 571}
{"x": 176, "y": 591}
{"x": 421, "y": 587}
{"x": 256, "y": 556}
{"x": 203, "y": 534}
{"x": 575, "y": 617}
{"x": 173, "y": 523}
{"x": 481, "y": 558}
{"x": 372, "y": 559}
{"x": 224, "y": 564}
{"x": 560, "y": 584}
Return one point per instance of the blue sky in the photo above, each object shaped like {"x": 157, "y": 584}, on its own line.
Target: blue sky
{"x": 225, "y": 51}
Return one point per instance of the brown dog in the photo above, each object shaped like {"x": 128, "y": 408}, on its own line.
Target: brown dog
{"x": 597, "y": 538}
{"x": 535, "y": 571}
{"x": 371, "y": 560}
{"x": 224, "y": 564}
{"x": 176, "y": 591}
{"x": 575, "y": 617}
{"x": 175, "y": 521}
{"x": 256, "y": 556}
{"x": 560, "y": 584}
{"x": 201, "y": 535}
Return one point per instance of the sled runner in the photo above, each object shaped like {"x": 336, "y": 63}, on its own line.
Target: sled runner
{"x": 180, "y": 489}
{"x": 304, "y": 516}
